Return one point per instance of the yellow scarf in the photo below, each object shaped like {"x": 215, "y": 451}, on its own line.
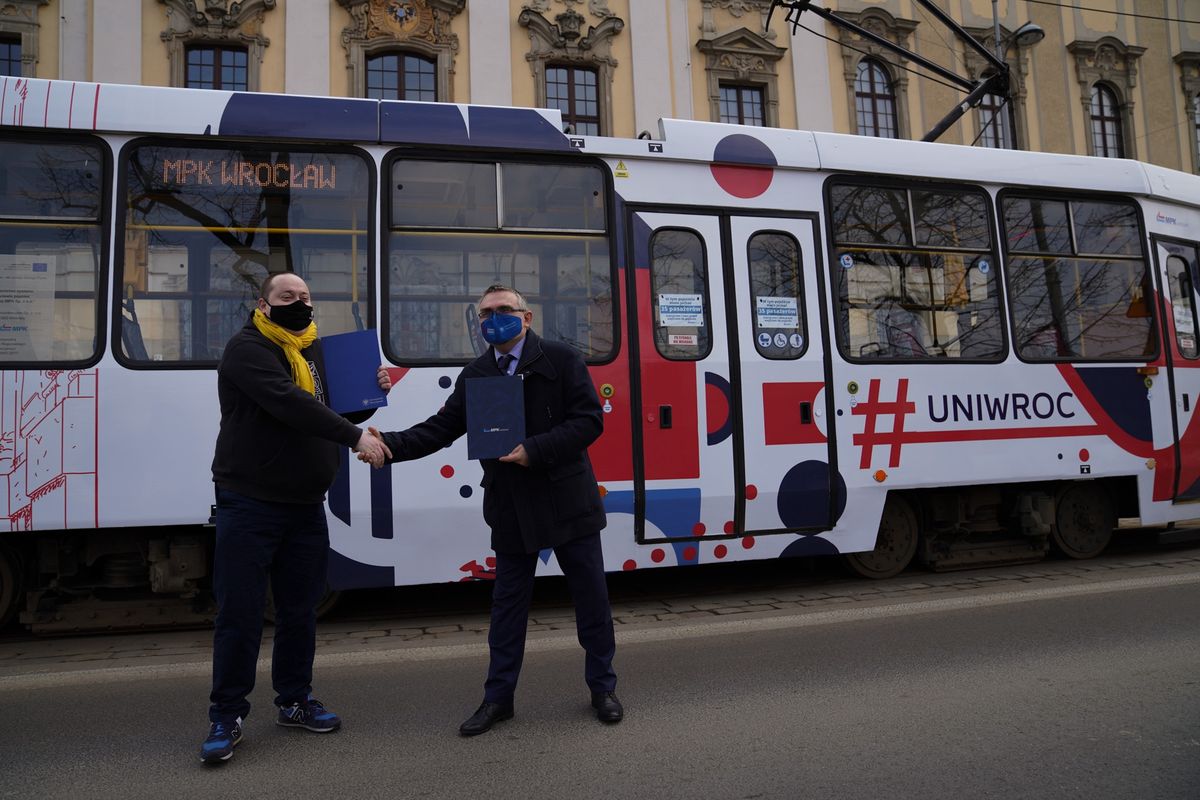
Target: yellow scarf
{"x": 292, "y": 344}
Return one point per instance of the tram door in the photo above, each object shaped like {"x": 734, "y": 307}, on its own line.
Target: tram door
{"x": 713, "y": 345}
{"x": 1179, "y": 264}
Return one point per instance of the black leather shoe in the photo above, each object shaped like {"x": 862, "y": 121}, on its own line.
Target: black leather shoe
{"x": 608, "y": 707}
{"x": 487, "y": 716}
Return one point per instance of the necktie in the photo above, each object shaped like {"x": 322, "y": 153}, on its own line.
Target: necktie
{"x": 504, "y": 361}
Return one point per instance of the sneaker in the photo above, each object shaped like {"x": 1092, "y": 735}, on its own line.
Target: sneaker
{"x": 222, "y": 738}
{"x": 310, "y": 715}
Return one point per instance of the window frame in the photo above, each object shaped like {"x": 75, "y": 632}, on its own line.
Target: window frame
{"x": 1072, "y": 197}
{"x": 573, "y": 119}
{"x": 876, "y": 64}
{"x": 738, "y": 88}
{"x": 386, "y": 230}
{"x": 120, "y": 190}
{"x": 218, "y": 49}
{"x": 402, "y": 55}
{"x": 917, "y": 185}
{"x": 996, "y": 127}
{"x": 1101, "y": 90}
{"x": 800, "y": 297}
{"x": 707, "y": 298}
{"x": 13, "y": 39}
{"x": 104, "y": 225}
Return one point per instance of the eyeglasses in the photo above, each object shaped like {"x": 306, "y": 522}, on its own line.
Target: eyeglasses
{"x": 486, "y": 313}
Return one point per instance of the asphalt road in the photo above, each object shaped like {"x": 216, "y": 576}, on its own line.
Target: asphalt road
{"x": 1092, "y": 692}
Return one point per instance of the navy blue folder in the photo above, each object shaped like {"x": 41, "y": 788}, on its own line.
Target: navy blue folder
{"x": 351, "y": 363}
{"x": 495, "y": 415}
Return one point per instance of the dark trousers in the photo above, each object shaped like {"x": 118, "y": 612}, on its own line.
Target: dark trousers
{"x": 256, "y": 541}
{"x": 582, "y": 562}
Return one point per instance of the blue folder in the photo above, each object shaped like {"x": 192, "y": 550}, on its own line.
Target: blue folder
{"x": 351, "y": 363}
{"x": 495, "y": 416}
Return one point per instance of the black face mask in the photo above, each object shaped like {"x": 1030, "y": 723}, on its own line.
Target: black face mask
{"x": 293, "y": 316}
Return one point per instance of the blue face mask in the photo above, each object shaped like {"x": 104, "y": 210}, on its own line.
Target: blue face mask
{"x": 501, "y": 328}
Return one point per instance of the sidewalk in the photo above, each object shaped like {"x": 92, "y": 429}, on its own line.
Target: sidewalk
{"x": 803, "y": 596}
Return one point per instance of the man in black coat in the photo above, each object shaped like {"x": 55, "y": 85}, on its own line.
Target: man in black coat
{"x": 542, "y": 494}
{"x": 277, "y": 453}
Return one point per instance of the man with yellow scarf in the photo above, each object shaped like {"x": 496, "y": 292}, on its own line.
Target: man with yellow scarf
{"x": 277, "y": 454}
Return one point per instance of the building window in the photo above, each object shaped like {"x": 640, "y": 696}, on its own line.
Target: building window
{"x": 10, "y": 56}
{"x": 874, "y": 101}
{"x": 216, "y": 68}
{"x": 573, "y": 91}
{"x": 742, "y": 105}
{"x": 993, "y": 122}
{"x": 217, "y": 48}
{"x": 1106, "y": 123}
{"x": 401, "y": 76}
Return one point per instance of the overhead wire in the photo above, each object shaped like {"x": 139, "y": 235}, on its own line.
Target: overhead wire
{"x": 880, "y": 58}
{"x": 1112, "y": 11}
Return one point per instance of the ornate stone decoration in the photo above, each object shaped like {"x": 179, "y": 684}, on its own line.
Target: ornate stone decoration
{"x": 217, "y": 22}
{"x": 736, "y": 9}
{"x": 1113, "y": 63}
{"x": 421, "y": 27}
{"x": 883, "y": 24}
{"x": 563, "y": 41}
{"x": 746, "y": 58}
{"x": 20, "y": 17}
{"x": 1189, "y": 79}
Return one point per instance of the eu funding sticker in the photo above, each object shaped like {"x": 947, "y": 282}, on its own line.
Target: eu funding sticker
{"x": 681, "y": 309}
{"x": 777, "y": 312}
{"x": 26, "y": 307}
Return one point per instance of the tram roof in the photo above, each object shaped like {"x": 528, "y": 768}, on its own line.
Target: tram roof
{"x": 74, "y": 105}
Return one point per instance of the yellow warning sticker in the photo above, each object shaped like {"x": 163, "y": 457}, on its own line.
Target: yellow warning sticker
{"x": 621, "y": 171}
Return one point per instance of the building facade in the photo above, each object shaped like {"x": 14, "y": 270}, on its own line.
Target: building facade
{"x": 1121, "y": 79}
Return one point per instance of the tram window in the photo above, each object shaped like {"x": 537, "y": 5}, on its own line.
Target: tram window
{"x": 1183, "y": 305}
{"x": 679, "y": 292}
{"x": 1077, "y": 304}
{"x": 204, "y": 227}
{"x": 913, "y": 274}
{"x": 540, "y": 228}
{"x": 775, "y": 291}
{"x": 444, "y": 195}
{"x": 553, "y": 198}
{"x": 50, "y": 251}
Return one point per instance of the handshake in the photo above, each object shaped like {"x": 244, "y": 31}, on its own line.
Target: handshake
{"x": 371, "y": 449}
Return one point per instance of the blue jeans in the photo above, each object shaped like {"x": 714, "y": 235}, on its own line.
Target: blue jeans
{"x": 582, "y": 563}
{"x": 287, "y": 543}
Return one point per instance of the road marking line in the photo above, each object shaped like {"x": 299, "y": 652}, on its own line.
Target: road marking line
{"x": 566, "y": 640}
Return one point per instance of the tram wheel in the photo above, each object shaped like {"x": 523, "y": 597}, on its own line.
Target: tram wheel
{"x": 894, "y": 547}
{"x": 10, "y": 585}
{"x": 1084, "y": 519}
{"x": 328, "y": 600}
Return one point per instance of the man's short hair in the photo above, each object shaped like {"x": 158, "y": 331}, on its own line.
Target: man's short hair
{"x": 264, "y": 289}
{"x": 499, "y": 287}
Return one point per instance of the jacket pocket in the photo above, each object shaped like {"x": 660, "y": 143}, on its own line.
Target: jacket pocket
{"x": 573, "y": 491}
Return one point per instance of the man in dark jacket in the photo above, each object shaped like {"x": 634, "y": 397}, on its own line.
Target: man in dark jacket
{"x": 277, "y": 454}
{"x": 541, "y": 495}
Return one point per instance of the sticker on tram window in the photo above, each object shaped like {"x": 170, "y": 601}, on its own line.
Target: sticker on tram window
{"x": 764, "y": 340}
{"x": 27, "y": 306}
{"x": 690, "y": 339}
{"x": 777, "y": 312}
{"x": 681, "y": 309}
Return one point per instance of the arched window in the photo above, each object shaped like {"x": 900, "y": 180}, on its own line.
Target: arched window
{"x": 874, "y": 100}
{"x": 993, "y": 122}
{"x": 1107, "y": 140}
{"x": 401, "y": 76}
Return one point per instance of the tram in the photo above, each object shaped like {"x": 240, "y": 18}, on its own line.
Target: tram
{"x": 805, "y": 343}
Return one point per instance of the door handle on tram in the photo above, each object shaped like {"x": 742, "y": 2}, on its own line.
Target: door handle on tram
{"x": 806, "y": 413}
{"x": 1187, "y": 403}
{"x": 664, "y": 417}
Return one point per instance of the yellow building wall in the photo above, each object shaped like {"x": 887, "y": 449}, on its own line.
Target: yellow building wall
{"x": 48, "y": 18}
{"x": 523, "y": 90}
{"x": 339, "y": 82}
{"x": 274, "y": 26}
{"x": 156, "y": 69}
